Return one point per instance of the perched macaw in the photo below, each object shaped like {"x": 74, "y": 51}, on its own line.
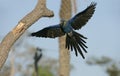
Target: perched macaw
{"x": 74, "y": 40}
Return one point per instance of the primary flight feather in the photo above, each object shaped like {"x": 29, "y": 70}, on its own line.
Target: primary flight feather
{"x": 74, "y": 40}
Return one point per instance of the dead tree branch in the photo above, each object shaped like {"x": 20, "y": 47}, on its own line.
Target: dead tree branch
{"x": 6, "y": 44}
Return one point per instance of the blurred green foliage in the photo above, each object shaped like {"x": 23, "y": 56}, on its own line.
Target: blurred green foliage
{"x": 44, "y": 71}
{"x": 112, "y": 67}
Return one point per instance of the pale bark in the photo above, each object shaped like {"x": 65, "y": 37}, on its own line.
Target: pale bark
{"x": 12, "y": 71}
{"x": 64, "y": 54}
{"x": 6, "y": 44}
{"x": 74, "y": 5}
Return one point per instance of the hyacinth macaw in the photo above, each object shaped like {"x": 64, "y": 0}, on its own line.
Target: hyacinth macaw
{"x": 74, "y": 40}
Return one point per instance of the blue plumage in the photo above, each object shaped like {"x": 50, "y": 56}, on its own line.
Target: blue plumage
{"x": 67, "y": 27}
{"x": 74, "y": 40}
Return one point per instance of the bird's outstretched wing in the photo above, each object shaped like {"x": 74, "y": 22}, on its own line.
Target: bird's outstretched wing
{"x": 49, "y": 32}
{"x": 82, "y": 18}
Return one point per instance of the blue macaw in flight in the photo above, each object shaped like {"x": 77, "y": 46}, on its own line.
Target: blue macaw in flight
{"x": 74, "y": 40}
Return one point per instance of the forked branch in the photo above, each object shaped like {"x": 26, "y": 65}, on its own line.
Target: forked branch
{"x": 39, "y": 11}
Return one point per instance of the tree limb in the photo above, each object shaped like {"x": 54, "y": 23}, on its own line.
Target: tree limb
{"x": 6, "y": 44}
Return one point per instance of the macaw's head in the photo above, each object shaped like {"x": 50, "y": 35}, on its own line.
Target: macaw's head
{"x": 63, "y": 22}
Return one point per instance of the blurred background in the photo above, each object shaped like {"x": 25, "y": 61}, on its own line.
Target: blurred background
{"x": 102, "y": 31}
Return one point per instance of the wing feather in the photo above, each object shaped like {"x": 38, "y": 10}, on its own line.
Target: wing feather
{"x": 82, "y": 18}
{"x": 49, "y": 32}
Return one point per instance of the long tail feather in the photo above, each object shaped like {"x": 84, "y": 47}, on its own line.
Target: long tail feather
{"x": 76, "y": 41}
{"x": 81, "y": 43}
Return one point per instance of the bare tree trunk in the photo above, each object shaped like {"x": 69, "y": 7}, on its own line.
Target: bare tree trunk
{"x": 74, "y": 5}
{"x": 6, "y": 44}
{"x": 12, "y": 71}
{"x": 64, "y": 54}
